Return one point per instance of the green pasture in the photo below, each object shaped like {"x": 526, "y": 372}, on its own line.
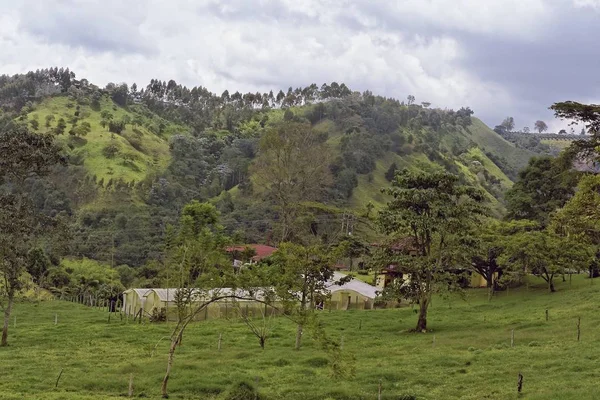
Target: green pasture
{"x": 466, "y": 355}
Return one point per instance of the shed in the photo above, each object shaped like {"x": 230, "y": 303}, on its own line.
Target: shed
{"x": 133, "y": 300}
{"x": 355, "y": 294}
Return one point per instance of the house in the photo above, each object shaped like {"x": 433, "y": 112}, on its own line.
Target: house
{"x": 354, "y": 294}
{"x": 133, "y": 300}
{"x": 261, "y": 251}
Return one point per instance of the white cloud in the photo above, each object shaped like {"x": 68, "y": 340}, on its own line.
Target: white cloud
{"x": 393, "y": 48}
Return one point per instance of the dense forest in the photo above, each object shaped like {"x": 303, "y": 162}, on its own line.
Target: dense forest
{"x": 306, "y": 165}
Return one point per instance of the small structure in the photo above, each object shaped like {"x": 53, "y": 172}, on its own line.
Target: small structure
{"x": 261, "y": 251}
{"x": 133, "y": 300}
{"x": 354, "y": 294}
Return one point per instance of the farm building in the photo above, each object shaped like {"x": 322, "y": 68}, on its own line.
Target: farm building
{"x": 354, "y": 294}
{"x": 133, "y": 300}
{"x": 225, "y": 308}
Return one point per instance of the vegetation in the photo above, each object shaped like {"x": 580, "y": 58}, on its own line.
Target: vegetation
{"x": 471, "y": 358}
{"x": 151, "y": 188}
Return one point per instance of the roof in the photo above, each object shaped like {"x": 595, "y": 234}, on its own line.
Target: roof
{"x": 262, "y": 250}
{"x": 141, "y": 292}
{"x": 403, "y": 244}
{"x": 356, "y": 285}
{"x": 168, "y": 295}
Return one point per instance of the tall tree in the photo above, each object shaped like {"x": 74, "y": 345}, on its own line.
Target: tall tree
{"x": 540, "y": 126}
{"x": 542, "y": 187}
{"x": 24, "y": 155}
{"x": 292, "y": 166}
{"x": 436, "y": 214}
{"x": 545, "y": 254}
{"x": 302, "y": 273}
{"x": 508, "y": 124}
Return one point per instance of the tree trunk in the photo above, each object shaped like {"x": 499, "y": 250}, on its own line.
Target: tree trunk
{"x": 298, "y": 337}
{"x": 422, "y": 322}
{"x": 551, "y": 285}
{"x": 7, "y": 312}
{"x": 172, "y": 349}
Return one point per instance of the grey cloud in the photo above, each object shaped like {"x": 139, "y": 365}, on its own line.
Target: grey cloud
{"x": 96, "y": 28}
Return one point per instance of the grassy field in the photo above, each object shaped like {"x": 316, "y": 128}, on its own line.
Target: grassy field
{"x": 470, "y": 359}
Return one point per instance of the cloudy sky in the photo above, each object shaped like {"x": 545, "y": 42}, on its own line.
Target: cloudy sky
{"x": 500, "y": 57}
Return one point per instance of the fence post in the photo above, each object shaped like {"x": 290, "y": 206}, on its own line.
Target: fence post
{"x": 520, "y": 383}
{"x": 379, "y": 391}
{"x": 546, "y": 315}
{"x": 130, "y": 385}
{"x": 578, "y": 328}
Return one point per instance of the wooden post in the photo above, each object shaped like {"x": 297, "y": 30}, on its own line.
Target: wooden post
{"x": 512, "y": 338}
{"x": 130, "y": 385}
{"x": 546, "y": 315}
{"x": 219, "y": 344}
{"x": 140, "y": 315}
{"x": 379, "y": 391}
{"x": 578, "y": 328}
{"x": 520, "y": 383}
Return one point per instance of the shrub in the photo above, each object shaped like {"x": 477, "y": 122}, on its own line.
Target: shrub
{"x": 242, "y": 391}
{"x": 111, "y": 150}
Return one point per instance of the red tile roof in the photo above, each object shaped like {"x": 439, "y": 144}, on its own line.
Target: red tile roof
{"x": 262, "y": 251}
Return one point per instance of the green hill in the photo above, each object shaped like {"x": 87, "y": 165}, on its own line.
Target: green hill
{"x": 137, "y": 156}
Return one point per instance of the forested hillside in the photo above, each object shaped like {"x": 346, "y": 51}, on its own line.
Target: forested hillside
{"x": 136, "y": 156}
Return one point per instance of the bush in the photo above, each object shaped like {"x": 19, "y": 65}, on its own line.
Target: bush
{"x": 242, "y": 391}
{"x": 111, "y": 150}
{"x": 158, "y": 315}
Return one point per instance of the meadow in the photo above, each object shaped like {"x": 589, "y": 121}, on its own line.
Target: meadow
{"x": 467, "y": 354}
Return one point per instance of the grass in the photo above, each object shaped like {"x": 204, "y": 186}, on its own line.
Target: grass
{"x": 471, "y": 359}
{"x": 491, "y": 142}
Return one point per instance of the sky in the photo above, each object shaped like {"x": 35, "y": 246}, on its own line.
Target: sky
{"x": 499, "y": 57}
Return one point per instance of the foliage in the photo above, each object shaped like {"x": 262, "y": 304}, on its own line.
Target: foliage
{"x": 292, "y": 167}
{"x": 433, "y": 212}
{"x": 545, "y": 185}
{"x": 25, "y": 154}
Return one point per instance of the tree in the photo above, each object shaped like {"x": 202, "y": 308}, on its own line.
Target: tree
{"x": 61, "y": 125}
{"x": 24, "y": 155}
{"x": 116, "y": 127}
{"x": 201, "y": 268}
{"x": 292, "y": 165}
{"x": 434, "y": 214}
{"x": 540, "y": 126}
{"x": 488, "y": 246}
{"x": 49, "y": 120}
{"x": 301, "y": 275}
{"x": 508, "y": 123}
{"x": 526, "y": 129}
{"x": 81, "y": 130}
{"x": 106, "y": 115}
{"x": 542, "y": 187}
{"x": 410, "y": 99}
{"x": 389, "y": 174}
{"x": 545, "y": 254}
{"x": 562, "y": 132}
